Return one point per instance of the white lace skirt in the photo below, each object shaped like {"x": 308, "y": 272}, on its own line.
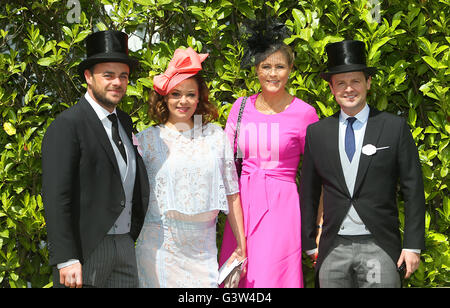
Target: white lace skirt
{"x": 177, "y": 254}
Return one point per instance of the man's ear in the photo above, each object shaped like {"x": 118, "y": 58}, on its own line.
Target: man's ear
{"x": 330, "y": 84}
{"x": 369, "y": 80}
{"x": 88, "y": 76}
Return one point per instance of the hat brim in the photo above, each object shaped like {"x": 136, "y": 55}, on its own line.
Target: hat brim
{"x": 346, "y": 69}
{"x": 110, "y": 57}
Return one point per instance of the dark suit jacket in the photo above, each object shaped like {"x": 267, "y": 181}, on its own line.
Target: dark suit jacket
{"x": 81, "y": 185}
{"x": 375, "y": 194}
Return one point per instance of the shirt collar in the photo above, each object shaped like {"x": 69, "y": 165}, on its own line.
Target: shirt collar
{"x": 101, "y": 112}
{"x": 361, "y": 116}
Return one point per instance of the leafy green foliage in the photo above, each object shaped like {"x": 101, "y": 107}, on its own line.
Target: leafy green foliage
{"x": 41, "y": 46}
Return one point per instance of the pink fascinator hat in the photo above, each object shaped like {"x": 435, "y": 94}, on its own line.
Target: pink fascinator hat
{"x": 184, "y": 64}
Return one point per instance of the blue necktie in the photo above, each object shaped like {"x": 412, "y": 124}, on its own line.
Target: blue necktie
{"x": 350, "y": 138}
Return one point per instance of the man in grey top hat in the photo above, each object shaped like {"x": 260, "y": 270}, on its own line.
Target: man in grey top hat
{"x": 94, "y": 182}
{"x": 358, "y": 158}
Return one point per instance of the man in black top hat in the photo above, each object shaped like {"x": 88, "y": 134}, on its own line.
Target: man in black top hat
{"x": 94, "y": 182}
{"x": 358, "y": 158}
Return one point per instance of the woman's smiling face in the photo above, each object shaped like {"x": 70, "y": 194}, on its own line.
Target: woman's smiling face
{"x": 182, "y": 101}
{"x": 273, "y": 72}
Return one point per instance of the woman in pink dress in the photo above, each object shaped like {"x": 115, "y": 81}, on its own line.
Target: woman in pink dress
{"x": 271, "y": 138}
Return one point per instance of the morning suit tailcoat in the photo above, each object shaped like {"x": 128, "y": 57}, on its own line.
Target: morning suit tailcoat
{"x": 379, "y": 178}
{"x": 82, "y": 187}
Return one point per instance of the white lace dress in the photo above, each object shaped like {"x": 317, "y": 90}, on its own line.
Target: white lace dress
{"x": 190, "y": 175}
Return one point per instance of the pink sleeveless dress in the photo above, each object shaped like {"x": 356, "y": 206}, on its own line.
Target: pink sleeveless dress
{"x": 272, "y": 145}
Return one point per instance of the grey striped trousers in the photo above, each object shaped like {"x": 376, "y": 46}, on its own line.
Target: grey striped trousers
{"x": 357, "y": 261}
{"x": 111, "y": 265}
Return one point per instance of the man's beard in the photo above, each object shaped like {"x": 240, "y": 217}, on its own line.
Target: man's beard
{"x": 101, "y": 98}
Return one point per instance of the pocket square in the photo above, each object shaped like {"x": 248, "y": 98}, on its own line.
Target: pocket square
{"x": 137, "y": 144}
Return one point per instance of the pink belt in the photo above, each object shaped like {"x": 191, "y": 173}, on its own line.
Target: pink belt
{"x": 256, "y": 190}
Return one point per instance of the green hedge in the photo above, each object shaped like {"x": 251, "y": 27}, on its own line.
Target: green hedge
{"x": 41, "y": 44}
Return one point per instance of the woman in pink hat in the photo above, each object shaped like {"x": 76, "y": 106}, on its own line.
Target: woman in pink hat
{"x": 192, "y": 177}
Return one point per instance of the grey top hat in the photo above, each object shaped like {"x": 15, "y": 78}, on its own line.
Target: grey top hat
{"x": 346, "y": 56}
{"x": 107, "y": 46}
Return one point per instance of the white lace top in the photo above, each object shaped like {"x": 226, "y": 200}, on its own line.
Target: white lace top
{"x": 190, "y": 173}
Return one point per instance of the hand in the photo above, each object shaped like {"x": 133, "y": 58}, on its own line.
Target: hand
{"x": 71, "y": 276}
{"x": 314, "y": 257}
{"x": 240, "y": 255}
{"x": 313, "y": 253}
{"x": 412, "y": 261}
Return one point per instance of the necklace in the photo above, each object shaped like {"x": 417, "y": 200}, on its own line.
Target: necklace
{"x": 268, "y": 109}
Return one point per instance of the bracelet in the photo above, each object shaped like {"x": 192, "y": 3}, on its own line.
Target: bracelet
{"x": 319, "y": 226}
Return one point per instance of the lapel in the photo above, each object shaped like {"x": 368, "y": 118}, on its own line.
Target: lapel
{"x": 127, "y": 125}
{"x": 99, "y": 132}
{"x": 123, "y": 118}
{"x": 141, "y": 173}
{"x": 371, "y": 136}
{"x": 124, "y": 121}
{"x": 332, "y": 134}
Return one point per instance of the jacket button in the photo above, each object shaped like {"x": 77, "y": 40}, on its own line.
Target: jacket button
{"x": 122, "y": 203}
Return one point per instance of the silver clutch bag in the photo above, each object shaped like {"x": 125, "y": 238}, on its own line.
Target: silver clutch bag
{"x": 232, "y": 280}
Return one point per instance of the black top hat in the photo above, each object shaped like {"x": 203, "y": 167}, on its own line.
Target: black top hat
{"x": 346, "y": 56}
{"x": 107, "y": 46}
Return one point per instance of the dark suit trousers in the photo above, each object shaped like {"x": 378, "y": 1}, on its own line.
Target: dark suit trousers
{"x": 111, "y": 265}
